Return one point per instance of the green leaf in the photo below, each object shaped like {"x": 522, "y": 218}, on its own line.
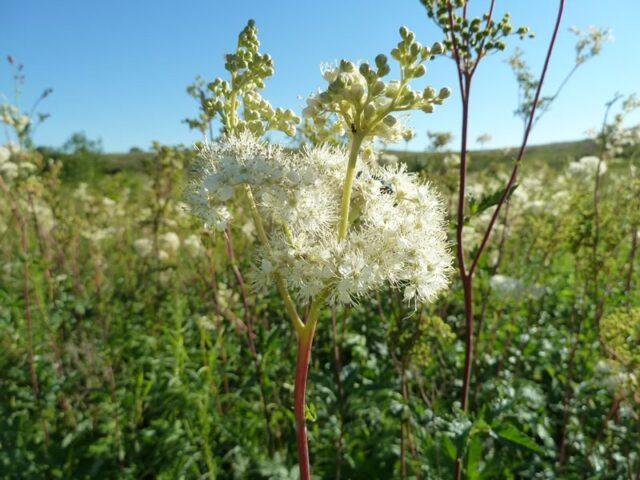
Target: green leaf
{"x": 512, "y": 435}
{"x": 474, "y": 455}
{"x": 449, "y": 448}
{"x": 477, "y": 207}
{"x": 310, "y": 412}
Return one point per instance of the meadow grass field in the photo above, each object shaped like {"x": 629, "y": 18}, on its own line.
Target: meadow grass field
{"x": 243, "y": 310}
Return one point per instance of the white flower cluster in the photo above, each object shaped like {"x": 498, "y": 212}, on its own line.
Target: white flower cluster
{"x": 13, "y": 165}
{"x": 396, "y": 234}
{"x": 587, "y": 167}
{"x": 10, "y": 115}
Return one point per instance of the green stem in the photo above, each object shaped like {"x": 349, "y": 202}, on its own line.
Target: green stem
{"x": 280, "y": 283}
{"x": 356, "y": 143}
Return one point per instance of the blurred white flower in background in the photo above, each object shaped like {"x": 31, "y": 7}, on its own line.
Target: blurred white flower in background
{"x": 506, "y": 286}
{"x": 193, "y": 245}
{"x": 587, "y": 167}
{"x": 169, "y": 242}
{"x": 143, "y": 247}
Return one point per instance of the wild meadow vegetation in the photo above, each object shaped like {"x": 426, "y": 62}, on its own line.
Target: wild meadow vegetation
{"x": 328, "y": 306}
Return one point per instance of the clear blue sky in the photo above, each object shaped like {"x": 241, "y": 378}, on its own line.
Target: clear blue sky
{"x": 119, "y": 68}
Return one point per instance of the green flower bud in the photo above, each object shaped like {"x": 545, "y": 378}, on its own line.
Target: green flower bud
{"x": 377, "y": 88}
{"x": 427, "y": 108}
{"x": 381, "y": 60}
{"x": 404, "y": 31}
{"x": 369, "y": 111}
{"x": 347, "y": 66}
{"x": 384, "y": 71}
{"x": 364, "y": 69}
{"x": 419, "y": 71}
{"x": 357, "y": 92}
{"x": 338, "y": 84}
{"x": 429, "y": 93}
{"x": 437, "y": 48}
{"x": 445, "y": 92}
{"x": 389, "y": 120}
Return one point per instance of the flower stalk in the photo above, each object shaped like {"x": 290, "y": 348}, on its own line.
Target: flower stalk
{"x": 356, "y": 143}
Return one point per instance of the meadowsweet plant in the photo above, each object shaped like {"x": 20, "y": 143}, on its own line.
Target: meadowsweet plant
{"x": 21, "y": 123}
{"x": 484, "y": 139}
{"x": 137, "y": 342}
{"x": 589, "y": 44}
{"x": 439, "y": 140}
{"x": 240, "y": 109}
{"x": 331, "y": 230}
{"x": 470, "y": 39}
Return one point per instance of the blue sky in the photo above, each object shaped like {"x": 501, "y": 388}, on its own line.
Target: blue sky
{"x": 119, "y": 68}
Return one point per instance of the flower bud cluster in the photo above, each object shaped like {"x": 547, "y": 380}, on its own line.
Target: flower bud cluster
{"x": 221, "y": 99}
{"x": 615, "y": 137}
{"x": 473, "y": 37}
{"x": 12, "y": 117}
{"x": 364, "y": 103}
{"x": 17, "y": 164}
{"x": 396, "y": 224}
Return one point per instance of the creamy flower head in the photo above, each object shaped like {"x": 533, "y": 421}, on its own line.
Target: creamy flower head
{"x": 396, "y": 235}
{"x": 143, "y": 247}
{"x": 170, "y": 242}
{"x": 587, "y": 167}
{"x": 193, "y": 245}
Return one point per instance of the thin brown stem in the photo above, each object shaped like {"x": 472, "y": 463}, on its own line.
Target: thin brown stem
{"x": 632, "y": 258}
{"x": 26, "y": 295}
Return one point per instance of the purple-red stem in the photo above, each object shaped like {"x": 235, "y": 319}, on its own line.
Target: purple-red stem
{"x": 465, "y": 76}
{"x": 299, "y": 394}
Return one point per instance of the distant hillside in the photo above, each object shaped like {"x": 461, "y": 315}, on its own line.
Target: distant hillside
{"x": 554, "y": 154}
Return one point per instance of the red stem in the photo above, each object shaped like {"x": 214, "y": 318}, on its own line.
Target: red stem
{"x": 465, "y": 76}
{"x": 299, "y": 395}
{"x": 525, "y": 140}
